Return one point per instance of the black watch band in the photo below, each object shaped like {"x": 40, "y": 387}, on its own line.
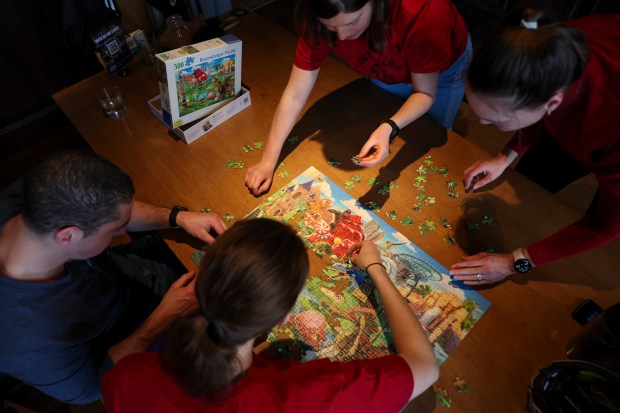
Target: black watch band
{"x": 395, "y": 128}
{"x": 172, "y": 218}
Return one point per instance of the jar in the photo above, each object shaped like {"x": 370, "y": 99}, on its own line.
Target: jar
{"x": 175, "y": 34}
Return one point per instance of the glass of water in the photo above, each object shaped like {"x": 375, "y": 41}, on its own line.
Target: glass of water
{"x": 111, "y": 101}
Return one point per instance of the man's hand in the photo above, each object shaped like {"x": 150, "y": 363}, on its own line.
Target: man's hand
{"x": 199, "y": 225}
{"x": 180, "y": 299}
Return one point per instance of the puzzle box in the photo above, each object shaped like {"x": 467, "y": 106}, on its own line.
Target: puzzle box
{"x": 198, "y": 79}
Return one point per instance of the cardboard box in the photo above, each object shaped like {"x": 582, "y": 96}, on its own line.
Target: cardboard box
{"x": 194, "y": 80}
{"x": 192, "y": 131}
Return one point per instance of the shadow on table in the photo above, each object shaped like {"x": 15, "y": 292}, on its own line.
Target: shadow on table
{"x": 344, "y": 120}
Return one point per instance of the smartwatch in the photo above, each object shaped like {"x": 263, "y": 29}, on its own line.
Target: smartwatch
{"x": 521, "y": 264}
{"x": 172, "y": 218}
{"x": 393, "y": 125}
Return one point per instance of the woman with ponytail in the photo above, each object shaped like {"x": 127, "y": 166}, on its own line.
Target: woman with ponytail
{"x": 556, "y": 85}
{"x": 248, "y": 282}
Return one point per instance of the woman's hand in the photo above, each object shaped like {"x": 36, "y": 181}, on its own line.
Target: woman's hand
{"x": 380, "y": 142}
{"x": 258, "y": 178}
{"x": 482, "y": 268}
{"x": 484, "y": 172}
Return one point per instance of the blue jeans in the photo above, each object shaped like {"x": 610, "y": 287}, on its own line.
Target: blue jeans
{"x": 450, "y": 89}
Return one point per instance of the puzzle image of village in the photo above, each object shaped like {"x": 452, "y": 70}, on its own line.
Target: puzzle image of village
{"x": 339, "y": 314}
{"x": 204, "y": 84}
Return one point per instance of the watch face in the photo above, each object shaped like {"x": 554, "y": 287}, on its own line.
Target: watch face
{"x": 522, "y": 265}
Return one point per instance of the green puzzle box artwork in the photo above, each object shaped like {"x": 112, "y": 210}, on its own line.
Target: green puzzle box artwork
{"x": 338, "y": 314}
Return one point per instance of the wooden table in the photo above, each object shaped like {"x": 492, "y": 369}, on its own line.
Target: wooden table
{"x": 529, "y": 322}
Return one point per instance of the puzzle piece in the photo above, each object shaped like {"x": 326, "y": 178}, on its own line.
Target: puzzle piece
{"x": 392, "y": 215}
{"x": 258, "y": 145}
{"x": 228, "y": 217}
{"x": 356, "y": 159}
{"x": 293, "y": 139}
{"x": 442, "y": 397}
{"x": 373, "y": 206}
{"x": 407, "y": 220}
{"x": 460, "y": 385}
{"x": 334, "y": 162}
{"x": 450, "y": 240}
{"x": 247, "y": 148}
{"x": 444, "y": 223}
{"x": 373, "y": 182}
{"x": 349, "y": 185}
{"x": 486, "y": 220}
{"x": 283, "y": 174}
{"x": 356, "y": 178}
{"x": 206, "y": 210}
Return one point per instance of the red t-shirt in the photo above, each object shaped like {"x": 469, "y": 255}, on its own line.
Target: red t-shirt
{"x": 424, "y": 36}
{"x": 139, "y": 384}
{"x": 587, "y": 125}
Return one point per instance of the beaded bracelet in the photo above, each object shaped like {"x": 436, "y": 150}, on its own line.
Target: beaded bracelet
{"x": 375, "y": 263}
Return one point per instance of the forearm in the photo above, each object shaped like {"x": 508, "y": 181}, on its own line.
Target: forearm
{"x": 291, "y": 103}
{"x": 415, "y": 106}
{"x": 409, "y": 338}
{"x": 143, "y": 338}
{"x": 146, "y": 217}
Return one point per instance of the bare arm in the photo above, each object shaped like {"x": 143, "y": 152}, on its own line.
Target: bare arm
{"x": 423, "y": 96}
{"x": 409, "y": 337}
{"x": 294, "y": 97}
{"x": 146, "y": 217}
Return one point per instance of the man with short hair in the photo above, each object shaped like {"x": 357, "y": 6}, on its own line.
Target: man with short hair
{"x": 70, "y": 307}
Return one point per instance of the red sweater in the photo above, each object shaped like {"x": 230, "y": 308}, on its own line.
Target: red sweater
{"x": 139, "y": 384}
{"x": 424, "y": 36}
{"x": 587, "y": 125}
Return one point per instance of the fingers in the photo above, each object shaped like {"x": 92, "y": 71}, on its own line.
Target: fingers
{"x": 185, "y": 279}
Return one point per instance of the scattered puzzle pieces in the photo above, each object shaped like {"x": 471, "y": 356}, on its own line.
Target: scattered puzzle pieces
{"x": 235, "y": 164}
{"x": 442, "y": 397}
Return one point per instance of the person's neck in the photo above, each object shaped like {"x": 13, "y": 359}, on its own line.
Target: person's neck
{"x": 24, "y": 256}
{"x": 245, "y": 356}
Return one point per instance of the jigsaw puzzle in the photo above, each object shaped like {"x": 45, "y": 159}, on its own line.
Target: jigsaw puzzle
{"x": 339, "y": 314}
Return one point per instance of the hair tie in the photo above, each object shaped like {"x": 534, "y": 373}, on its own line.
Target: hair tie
{"x": 529, "y": 25}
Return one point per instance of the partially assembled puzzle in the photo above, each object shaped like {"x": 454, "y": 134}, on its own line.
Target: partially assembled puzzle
{"x": 339, "y": 314}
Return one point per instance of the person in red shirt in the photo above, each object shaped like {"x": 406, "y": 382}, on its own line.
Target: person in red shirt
{"x": 248, "y": 282}
{"x": 416, "y": 49}
{"x": 556, "y": 85}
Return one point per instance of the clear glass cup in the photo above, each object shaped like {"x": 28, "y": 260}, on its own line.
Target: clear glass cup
{"x": 112, "y": 103}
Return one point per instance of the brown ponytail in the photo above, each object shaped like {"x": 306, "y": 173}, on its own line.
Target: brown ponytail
{"x": 249, "y": 280}
{"x": 528, "y": 59}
